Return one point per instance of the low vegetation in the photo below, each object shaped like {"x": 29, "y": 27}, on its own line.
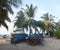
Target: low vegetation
{"x": 57, "y": 33}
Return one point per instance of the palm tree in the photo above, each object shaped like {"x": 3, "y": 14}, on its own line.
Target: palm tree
{"x": 5, "y": 7}
{"x": 30, "y": 11}
{"x": 48, "y": 21}
{"x": 20, "y": 22}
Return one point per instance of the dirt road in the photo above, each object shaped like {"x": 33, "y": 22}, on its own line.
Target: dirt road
{"x": 50, "y": 44}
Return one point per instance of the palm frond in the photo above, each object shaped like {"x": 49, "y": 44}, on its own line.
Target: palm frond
{"x": 27, "y": 6}
{"x": 2, "y": 22}
{"x": 9, "y": 9}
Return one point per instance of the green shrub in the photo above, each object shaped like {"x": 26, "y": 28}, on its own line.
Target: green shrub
{"x": 57, "y": 34}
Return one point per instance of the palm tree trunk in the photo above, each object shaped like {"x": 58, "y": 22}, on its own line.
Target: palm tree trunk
{"x": 35, "y": 30}
{"x": 30, "y": 31}
{"x": 38, "y": 31}
{"x": 23, "y": 30}
{"x": 48, "y": 33}
{"x": 44, "y": 34}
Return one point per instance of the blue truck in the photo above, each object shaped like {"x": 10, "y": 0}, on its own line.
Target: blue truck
{"x": 18, "y": 37}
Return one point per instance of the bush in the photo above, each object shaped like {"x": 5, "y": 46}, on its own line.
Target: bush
{"x": 57, "y": 34}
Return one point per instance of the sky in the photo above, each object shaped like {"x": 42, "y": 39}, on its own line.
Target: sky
{"x": 44, "y": 6}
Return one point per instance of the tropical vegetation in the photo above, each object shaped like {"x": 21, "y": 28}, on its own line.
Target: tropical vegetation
{"x": 25, "y": 20}
{"x": 30, "y": 12}
{"x": 49, "y": 22}
{"x": 57, "y": 33}
{"x": 5, "y": 7}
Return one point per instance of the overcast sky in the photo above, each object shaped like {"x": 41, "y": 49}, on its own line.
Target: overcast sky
{"x": 44, "y": 6}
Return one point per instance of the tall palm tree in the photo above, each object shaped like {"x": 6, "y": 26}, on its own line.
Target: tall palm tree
{"x": 5, "y": 7}
{"x": 48, "y": 21}
{"x": 30, "y": 11}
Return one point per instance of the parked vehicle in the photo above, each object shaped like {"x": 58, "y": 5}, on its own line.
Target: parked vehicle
{"x": 36, "y": 38}
{"x": 18, "y": 36}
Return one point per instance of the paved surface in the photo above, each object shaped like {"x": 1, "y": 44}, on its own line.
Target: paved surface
{"x": 50, "y": 44}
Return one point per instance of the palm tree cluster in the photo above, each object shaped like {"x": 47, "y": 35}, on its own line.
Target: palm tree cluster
{"x": 25, "y": 19}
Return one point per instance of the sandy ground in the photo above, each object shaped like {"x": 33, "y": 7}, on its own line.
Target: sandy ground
{"x": 49, "y": 44}
{"x": 2, "y": 41}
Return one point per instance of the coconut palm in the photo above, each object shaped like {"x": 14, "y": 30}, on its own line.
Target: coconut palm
{"x": 20, "y": 22}
{"x": 5, "y": 7}
{"x": 48, "y": 21}
{"x": 30, "y": 11}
